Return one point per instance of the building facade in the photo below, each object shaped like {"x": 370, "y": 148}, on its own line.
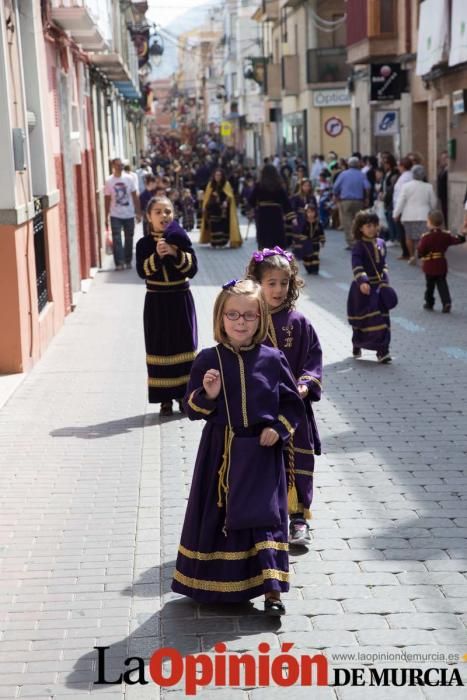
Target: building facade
{"x": 307, "y": 105}
{"x": 58, "y": 132}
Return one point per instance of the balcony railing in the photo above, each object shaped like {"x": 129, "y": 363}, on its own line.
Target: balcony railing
{"x": 290, "y": 75}
{"x": 88, "y": 21}
{"x": 327, "y": 65}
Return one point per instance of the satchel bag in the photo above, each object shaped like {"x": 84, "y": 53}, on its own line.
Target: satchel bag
{"x": 248, "y": 478}
{"x": 387, "y": 297}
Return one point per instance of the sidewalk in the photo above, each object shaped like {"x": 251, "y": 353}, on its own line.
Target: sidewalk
{"x": 94, "y": 488}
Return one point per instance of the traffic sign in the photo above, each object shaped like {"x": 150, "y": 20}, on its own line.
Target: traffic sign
{"x": 334, "y": 126}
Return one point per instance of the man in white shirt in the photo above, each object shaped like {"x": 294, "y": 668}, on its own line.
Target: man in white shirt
{"x": 405, "y": 169}
{"x": 121, "y": 204}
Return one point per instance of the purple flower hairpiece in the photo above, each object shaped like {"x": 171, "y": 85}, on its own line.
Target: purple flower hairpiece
{"x": 229, "y": 284}
{"x": 261, "y": 255}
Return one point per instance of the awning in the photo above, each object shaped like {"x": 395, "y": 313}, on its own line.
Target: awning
{"x": 432, "y": 34}
{"x": 458, "y": 53}
{"x": 127, "y": 90}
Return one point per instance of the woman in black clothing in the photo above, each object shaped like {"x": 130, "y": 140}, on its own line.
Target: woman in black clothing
{"x": 272, "y": 208}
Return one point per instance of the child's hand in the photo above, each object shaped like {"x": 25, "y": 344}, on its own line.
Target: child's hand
{"x": 163, "y": 248}
{"x": 365, "y": 288}
{"x": 268, "y": 437}
{"x": 212, "y": 383}
{"x": 302, "y": 390}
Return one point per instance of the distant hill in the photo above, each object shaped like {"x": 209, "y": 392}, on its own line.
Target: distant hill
{"x": 191, "y": 19}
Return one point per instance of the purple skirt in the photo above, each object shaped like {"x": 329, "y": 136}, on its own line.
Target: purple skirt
{"x": 171, "y": 338}
{"x": 214, "y": 567}
{"x": 371, "y": 327}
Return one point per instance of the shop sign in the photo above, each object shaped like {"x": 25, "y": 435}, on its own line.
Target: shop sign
{"x": 386, "y": 122}
{"x": 459, "y": 101}
{"x": 226, "y": 129}
{"x": 339, "y": 97}
{"x": 385, "y": 81}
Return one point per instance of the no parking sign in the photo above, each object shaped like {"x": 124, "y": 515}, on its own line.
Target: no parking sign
{"x": 334, "y": 126}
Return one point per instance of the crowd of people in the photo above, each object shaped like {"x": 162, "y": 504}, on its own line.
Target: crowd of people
{"x": 255, "y": 389}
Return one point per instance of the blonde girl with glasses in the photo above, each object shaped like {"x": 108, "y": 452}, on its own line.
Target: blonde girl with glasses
{"x": 234, "y": 540}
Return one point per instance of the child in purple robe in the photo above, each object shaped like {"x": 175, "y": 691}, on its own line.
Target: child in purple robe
{"x": 165, "y": 259}
{"x": 234, "y": 538}
{"x": 290, "y": 331}
{"x": 371, "y": 325}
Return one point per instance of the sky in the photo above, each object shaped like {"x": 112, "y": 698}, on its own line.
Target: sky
{"x": 164, "y": 11}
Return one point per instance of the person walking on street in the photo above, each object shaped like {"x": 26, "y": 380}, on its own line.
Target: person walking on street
{"x": 272, "y": 208}
{"x": 234, "y": 543}
{"x": 442, "y": 184}
{"x": 405, "y": 176}
{"x": 352, "y": 190}
{"x": 290, "y": 331}
{"x": 390, "y": 177}
{"x": 431, "y": 249}
{"x": 415, "y": 200}
{"x": 219, "y": 224}
{"x": 165, "y": 259}
{"x": 121, "y": 205}
{"x": 370, "y": 323}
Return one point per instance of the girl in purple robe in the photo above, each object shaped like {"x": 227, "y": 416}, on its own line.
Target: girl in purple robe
{"x": 371, "y": 326}
{"x": 290, "y": 331}
{"x": 165, "y": 260}
{"x": 234, "y": 538}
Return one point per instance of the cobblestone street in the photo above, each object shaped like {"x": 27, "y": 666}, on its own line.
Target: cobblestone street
{"x": 94, "y": 488}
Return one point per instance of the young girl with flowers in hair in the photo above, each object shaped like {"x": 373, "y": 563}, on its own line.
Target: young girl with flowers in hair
{"x": 234, "y": 538}
{"x": 165, "y": 259}
{"x": 367, "y": 315}
{"x": 277, "y": 272}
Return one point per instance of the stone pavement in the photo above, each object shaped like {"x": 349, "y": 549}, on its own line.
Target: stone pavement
{"x": 94, "y": 488}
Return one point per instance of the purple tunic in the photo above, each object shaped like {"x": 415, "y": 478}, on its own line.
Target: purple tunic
{"x": 170, "y": 328}
{"x": 291, "y": 332}
{"x": 371, "y": 327}
{"x": 215, "y": 564}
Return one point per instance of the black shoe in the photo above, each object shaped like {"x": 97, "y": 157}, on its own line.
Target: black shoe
{"x": 180, "y": 407}
{"x": 274, "y": 607}
{"x": 428, "y": 307}
{"x": 447, "y": 309}
{"x": 356, "y": 352}
{"x": 384, "y": 357}
{"x": 166, "y": 408}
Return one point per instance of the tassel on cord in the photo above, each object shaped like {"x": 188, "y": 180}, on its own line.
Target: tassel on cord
{"x": 292, "y": 496}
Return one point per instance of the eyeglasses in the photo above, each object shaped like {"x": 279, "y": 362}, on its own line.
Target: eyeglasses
{"x": 235, "y": 315}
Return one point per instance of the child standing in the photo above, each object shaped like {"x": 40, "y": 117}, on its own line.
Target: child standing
{"x": 234, "y": 539}
{"x": 314, "y": 239}
{"x": 188, "y": 207}
{"x": 371, "y": 325}
{"x": 288, "y": 330}
{"x": 431, "y": 250}
{"x": 165, "y": 259}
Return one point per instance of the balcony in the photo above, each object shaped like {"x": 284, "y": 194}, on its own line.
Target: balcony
{"x": 290, "y": 75}
{"x": 88, "y": 21}
{"x": 269, "y": 10}
{"x": 272, "y": 87}
{"x": 327, "y": 65}
{"x": 371, "y": 30}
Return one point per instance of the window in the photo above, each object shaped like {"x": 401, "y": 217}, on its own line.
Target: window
{"x": 283, "y": 23}
{"x": 382, "y": 18}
